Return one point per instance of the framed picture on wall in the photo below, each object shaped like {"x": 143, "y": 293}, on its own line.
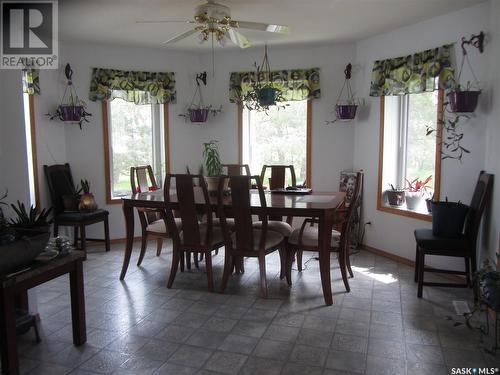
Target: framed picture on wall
{"x": 347, "y": 183}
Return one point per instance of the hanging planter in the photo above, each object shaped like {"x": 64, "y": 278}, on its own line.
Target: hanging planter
{"x": 345, "y": 109}
{"x": 197, "y": 112}
{"x": 263, "y": 93}
{"x": 71, "y": 109}
{"x": 460, "y": 100}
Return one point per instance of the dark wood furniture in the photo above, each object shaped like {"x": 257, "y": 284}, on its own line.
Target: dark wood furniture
{"x": 195, "y": 236}
{"x": 323, "y": 206}
{"x": 246, "y": 240}
{"x": 463, "y": 247}
{"x": 39, "y": 274}
{"x": 236, "y": 169}
{"x": 61, "y": 185}
{"x": 278, "y": 174}
{"x": 307, "y": 238}
{"x": 153, "y": 227}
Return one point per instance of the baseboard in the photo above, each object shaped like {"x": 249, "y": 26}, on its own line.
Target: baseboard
{"x": 408, "y": 262}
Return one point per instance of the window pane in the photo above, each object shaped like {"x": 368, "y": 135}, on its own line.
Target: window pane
{"x": 421, "y": 149}
{"x": 278, "y": 137}
{"x": 131, "y": 141}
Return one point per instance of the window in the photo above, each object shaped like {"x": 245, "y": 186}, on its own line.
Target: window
{"x": 29, "y": 126}
{"x": 406, "y": 152}
{"x": 134, "y": 135}
{"x": 280, "y": 136}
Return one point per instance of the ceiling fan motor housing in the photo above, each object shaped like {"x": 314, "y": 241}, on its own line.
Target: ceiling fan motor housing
{"x": 211, "y": 11}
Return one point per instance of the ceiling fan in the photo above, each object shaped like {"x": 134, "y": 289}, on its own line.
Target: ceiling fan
{"x": 214, "y": 20}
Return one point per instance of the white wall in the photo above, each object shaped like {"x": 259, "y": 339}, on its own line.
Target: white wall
{"x": 391, "y": 232}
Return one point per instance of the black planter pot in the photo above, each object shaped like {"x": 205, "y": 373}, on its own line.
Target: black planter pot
{"x": 198, "y": 115}
{"x": 448, "y": 219}
{"x": 490, "y": 290}
{"x": 346, "y": 112}
{"x": 463, "y": 101}
{"x": 267, "y": 96}
{"x": 16, "y": 255}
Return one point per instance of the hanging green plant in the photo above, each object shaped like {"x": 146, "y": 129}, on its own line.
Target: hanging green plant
{"x": 72, "y": 109}
{"x": 263, "y": 93}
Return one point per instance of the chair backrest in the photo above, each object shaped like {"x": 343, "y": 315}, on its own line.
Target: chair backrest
{"x": 241, "y": 212}
{"x": 478, "y": 203}
{"x": 60, "y": 182}
{"x": 355, "y": 199}
{"x": 236, "y": 169}
{"x": 139, "y": 179}
{"x": 187, "y": 194}
{"x": 278, "y": 174}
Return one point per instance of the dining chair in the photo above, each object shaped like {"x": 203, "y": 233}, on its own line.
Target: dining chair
{"x": 246, "y": 240}
{"x": 61, "y": 187}
{"x": 236, "y": 169}
{"x": 277, "y": 181}
{"x": 307, "y": 238}
{"x": 142, "y": 179}
{"x": 195, "y": 236}
{"x": 463, "y": 246}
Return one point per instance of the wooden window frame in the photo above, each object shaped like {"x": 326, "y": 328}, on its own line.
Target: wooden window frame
{"x": 308, "y": 140}
{"x": 437, "y": 167}
{"x": 107, "y": 156}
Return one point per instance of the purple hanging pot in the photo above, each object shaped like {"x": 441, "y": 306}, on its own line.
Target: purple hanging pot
{"x": 71, "y": 113}
{"x": 267, "y": 96}
{"x": 198, "y": 115}
{"x": 463, "y": 101}
{"x": 346, "y": 111}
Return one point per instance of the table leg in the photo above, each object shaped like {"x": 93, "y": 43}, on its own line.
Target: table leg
{"x": 128, "y": 212}
{"x": 8, "y": 339}
{"x": 325, "y": 237}
{"x": 78, "y": 304}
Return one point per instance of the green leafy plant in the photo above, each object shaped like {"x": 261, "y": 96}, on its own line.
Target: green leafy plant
{"x": 212, "y": 158}
{"x": 31, "y": 217}
{"x": 85, "y": 186}
{"x": 452, "y": 135}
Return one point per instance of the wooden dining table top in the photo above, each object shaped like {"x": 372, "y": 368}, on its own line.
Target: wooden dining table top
{"x": 310, "y": 203}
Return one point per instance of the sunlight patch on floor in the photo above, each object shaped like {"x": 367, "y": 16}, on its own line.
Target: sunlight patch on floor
{"x": 386, "y": 278}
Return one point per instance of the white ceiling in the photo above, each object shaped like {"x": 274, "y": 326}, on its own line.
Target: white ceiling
{"x": 311, "y": 21}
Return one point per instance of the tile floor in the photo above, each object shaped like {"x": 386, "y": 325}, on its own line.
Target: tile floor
{"x": 140, "y": 327}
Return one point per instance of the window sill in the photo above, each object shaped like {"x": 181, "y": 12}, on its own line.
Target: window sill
{"x": 403, "y": 211}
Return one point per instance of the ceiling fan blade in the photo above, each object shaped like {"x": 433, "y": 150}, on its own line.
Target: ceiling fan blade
{"x": 282, "y": 29}
{"x": 164, "y": 21}
{"x": 180, "y": 36}
{"x": 239, "y": 39}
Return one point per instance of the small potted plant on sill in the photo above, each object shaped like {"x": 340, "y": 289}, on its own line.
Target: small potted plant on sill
{"x": 395, "y": 196}
{"x": 87, "y": 201}
{"x": 415, "y": 192}
{"x": 213, "y": 165}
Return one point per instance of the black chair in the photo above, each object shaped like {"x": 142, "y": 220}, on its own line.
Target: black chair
{"x": 62, "y": 187}
{"x": 463, "y": 247}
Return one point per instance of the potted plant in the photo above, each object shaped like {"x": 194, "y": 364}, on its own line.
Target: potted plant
{"x": 7, "y": 234}
{"x": 30, "y": 222}
{"x": 197, "y": 111}
{"x": 448, "y": 218}
{"x": 213, "y": 165}
{"x": 396, "y": 197}
{"x": 463, "y": 101}
{"x": 72, "y": 109}
{"x": 87, "y": 202}
{"x": 415, "y": 191}
{"x": 345, "y": 109}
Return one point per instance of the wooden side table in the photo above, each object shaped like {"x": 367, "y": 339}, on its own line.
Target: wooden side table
{"x": 36, "y": 275}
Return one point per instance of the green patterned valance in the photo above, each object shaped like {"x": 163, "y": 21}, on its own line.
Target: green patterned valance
{"x": 31, "y": 81}
{"x": 137, "y": 87}
{"x": 423, "y": 71}
{"x": 295, "y": 84}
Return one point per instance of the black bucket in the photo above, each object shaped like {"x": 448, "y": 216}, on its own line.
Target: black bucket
{"x": 448, "y": 219}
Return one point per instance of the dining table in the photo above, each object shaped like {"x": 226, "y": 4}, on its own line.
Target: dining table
{"x": 321, "y": 205}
